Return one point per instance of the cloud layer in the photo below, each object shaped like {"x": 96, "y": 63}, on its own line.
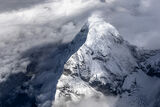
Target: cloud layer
{"x": 138, "y": 21}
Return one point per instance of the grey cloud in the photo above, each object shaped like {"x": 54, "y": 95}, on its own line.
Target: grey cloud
{"x": 13, "y": 5}
{"x": 96, "y": 102}
{"x": 138, "y": 21}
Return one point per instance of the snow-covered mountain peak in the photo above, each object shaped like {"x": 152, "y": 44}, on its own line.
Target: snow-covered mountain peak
{"x": 101, "y": 64}
{"x": 95, "y": 18}
{"x": 97, "y": 22}
{"x": 107, "y": 65}
{"x": 99, "y": 30}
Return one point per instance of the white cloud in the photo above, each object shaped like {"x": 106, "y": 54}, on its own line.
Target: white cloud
{"x": 138, "y": 21}
{"x": 95, "y": 102}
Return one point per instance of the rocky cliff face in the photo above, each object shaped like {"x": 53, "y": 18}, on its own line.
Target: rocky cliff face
{"x": 107, "y": 65}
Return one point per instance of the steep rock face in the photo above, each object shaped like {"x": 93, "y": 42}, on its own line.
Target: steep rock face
{"x": 152, "y": 65}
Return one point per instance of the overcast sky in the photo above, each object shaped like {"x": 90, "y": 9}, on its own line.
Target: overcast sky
{"x": 138, "y": 21}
